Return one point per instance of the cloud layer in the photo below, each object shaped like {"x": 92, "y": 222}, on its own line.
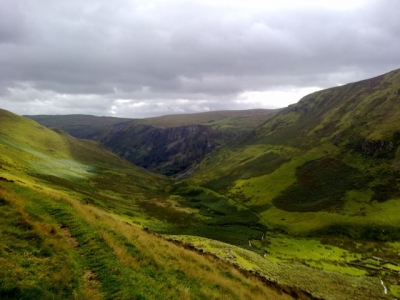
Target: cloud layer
{"x": 144, "y": 58}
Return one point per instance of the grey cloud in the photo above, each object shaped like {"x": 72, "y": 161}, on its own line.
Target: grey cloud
{"x": 12, "y": 23}
{"x": 163, "y": 51}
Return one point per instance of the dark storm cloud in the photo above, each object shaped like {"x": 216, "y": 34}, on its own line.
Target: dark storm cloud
{"x": 88, "y": 55}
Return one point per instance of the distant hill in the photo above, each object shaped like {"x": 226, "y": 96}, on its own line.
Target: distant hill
{"x": 167, "y": 144}
{"x": 79, "y": 126}
{"x": 53, "y": 153}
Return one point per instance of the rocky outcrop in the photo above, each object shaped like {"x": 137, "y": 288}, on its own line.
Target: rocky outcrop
{"x": 165, "y": 150}
{"x": 377, "y": 148}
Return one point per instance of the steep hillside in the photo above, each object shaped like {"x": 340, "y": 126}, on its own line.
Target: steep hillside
{"x": 54, "y": 157}
{"x": 325, "y": 170}
{"x": 344, "y": 138}
{"x": 167, "y": 144}
{"x": 364, "y": 111}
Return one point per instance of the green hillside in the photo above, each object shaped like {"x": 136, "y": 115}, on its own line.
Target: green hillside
{"x": 166, "y": 144}
{"x": 312, "y": 156}
{"x": 324, "y": 171}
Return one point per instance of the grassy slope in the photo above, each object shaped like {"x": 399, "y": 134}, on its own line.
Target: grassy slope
{"x": 65, "y": 227}
{"x": 322, "y": 284}
{"x": 349, "y": 132}
{"x": 326, "y": 170}
{"x": 55, "y": 247}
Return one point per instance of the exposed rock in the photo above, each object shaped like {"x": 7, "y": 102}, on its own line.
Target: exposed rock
{"x": 376, "y": 147}
{"x": 165, "y": 150}
{"x": 301, "y": 109}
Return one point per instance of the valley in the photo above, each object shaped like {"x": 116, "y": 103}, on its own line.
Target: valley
{"x": 166, "y": 144}
{"x": 297, "y": 203}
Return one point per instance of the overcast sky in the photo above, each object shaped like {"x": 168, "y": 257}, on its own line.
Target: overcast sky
{"x": 145, "y": 58}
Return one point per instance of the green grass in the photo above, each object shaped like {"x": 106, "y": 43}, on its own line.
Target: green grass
{"x": 320, "y": 185}
{"x": 395, "y": 290}
{"x": 309, "y": 252}
{"x": 364, "y": 220}
{"x": 52, "y": 241}
{"x": 263, "y": 189}
{"x": 37, "y": 264}
{"x": 203, "y": 212}
{"x": 333, "y": 267}
{"x": 393, "y": 267}
{"x": 322, "y": 280}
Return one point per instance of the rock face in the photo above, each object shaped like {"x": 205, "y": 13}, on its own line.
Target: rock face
{"x": 164, "y": 150}
{"x": 377, "y": 148}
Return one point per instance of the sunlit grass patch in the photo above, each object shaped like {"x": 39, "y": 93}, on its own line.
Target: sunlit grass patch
{"x": 392, "y": 267}
{"x": 66, "y": 168}
{"x": 339, "y": 268}
{"x": 354, "y": 220}
{"x": 287, "y": 248}
{"x": 264, "y": 188}
{"x": 320, "y": 186}
{"x": 310, "y": 252}
{"x": 395, "y": 290}
{"x": 322, "y": 280}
